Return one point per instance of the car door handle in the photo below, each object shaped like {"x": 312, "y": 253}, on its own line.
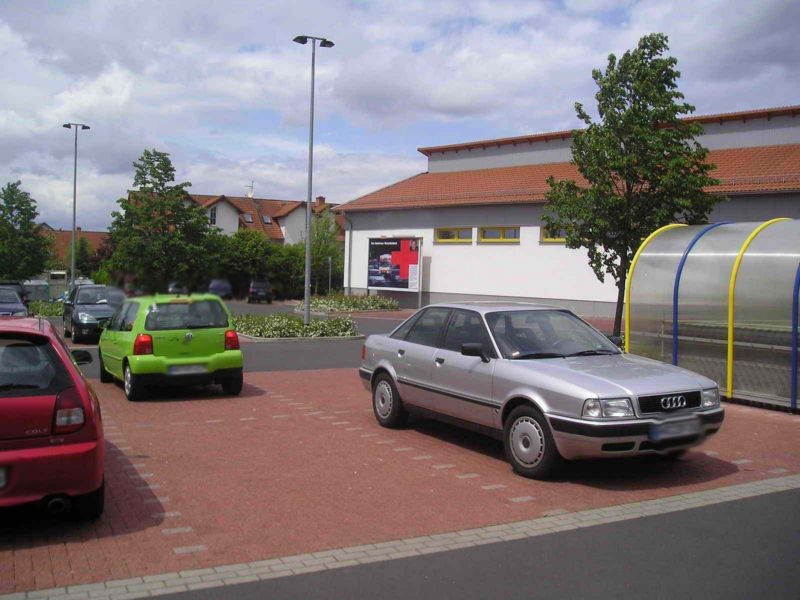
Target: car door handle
{"x": 440, "y": 361}
{"x": 401, "y": 352}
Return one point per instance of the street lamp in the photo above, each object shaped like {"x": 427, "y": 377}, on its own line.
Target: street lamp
{"x": 324, "y": 43}
{"x": 83, "y": 127}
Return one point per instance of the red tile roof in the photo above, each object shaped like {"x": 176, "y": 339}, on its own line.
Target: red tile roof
{"x": 740, "y": 171}
{"x": 62, "y": 240}
{"x": 761, "y": 113}
{"x": 258, "y": 207}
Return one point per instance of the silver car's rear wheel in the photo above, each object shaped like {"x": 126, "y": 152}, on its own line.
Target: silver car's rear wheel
{"x": 529, "y": 444}
{"x": 386, "y": 403}
{"x": 527, "y": 441}
{"x": 382, "y": 397}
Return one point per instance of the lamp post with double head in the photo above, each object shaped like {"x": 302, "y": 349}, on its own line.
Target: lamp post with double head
{"x": 76, "y": 126}
{"x": 323, "y": 43}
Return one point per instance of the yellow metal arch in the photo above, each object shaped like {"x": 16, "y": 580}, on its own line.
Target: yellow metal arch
{"x": 629, "y": 279}
{"x": 731, "y": 297}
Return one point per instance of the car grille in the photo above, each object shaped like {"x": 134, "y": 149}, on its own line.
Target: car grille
{"x": 652, "y": 404}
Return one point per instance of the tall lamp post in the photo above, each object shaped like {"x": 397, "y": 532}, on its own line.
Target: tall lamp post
{"x": 323, "y": 43}
{"x": 77, "y": 126}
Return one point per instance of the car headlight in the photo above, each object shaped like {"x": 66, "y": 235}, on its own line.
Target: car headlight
{"x": 616, "y": 408}
{"x": 86, "y": 318}
{"x": 711, "y": 397}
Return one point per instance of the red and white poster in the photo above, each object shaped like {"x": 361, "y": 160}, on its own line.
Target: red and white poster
{"x": 393, "y": 264}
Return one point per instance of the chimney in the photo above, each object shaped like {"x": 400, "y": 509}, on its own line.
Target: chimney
{"x": 320, "y": 201}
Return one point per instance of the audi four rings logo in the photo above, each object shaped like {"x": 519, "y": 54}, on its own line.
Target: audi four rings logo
{"x": 668, "y": 402}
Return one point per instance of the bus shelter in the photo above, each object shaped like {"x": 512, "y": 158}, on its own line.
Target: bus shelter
{"x": 722, "y": 300}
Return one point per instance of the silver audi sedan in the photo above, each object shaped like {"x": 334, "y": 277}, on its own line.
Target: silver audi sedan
{"x": 538, "y": 377}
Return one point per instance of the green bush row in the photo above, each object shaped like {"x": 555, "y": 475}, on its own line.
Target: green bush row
{"x": 39, "y": 308}
{"x": 342, "y": 303}
{"x": 278, "y": 326}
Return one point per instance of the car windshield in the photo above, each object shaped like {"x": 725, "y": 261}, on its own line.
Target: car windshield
{"x": 30, "y": 367}
{"x": 202, "y": 314}
{"x": 99, "y": 296}
{"x": 9, "y": 297}
{"x": 530, "y": 334}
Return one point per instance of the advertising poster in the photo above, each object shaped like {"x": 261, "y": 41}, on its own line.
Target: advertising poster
{"x": 393, "y": 264}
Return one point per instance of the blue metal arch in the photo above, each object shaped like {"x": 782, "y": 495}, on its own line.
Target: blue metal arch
{"x": 677, "y": 285}
{"x": 795, "y": 303}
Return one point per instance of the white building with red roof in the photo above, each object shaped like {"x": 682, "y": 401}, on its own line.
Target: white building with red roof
{"x": 478, "y": 210}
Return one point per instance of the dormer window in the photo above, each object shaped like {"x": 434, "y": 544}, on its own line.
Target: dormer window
{"x": 248, "y": 217}
{"x": 212, "y": 215}
{"x": 266, "y": 219}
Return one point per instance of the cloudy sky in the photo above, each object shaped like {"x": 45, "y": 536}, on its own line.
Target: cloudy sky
{"x": 222, "y": 88}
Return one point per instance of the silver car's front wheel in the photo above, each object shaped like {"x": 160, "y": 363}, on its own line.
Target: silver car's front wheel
{"x": 528, "y": 443}
{"x": 386, "y": 402}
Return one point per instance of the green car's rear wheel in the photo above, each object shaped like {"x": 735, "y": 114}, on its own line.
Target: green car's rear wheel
{"x": 233, "y": 385}
{"x": 133, "y": 389}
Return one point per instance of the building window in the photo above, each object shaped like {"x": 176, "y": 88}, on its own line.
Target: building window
{"x": 548, "y": 237}
{"x": 212, "y": 215}
{"x": 454, "y": 235}
{"x": 266, "y": 219}
{"x": 508, "y": 235}
{"x": 248, "y": 217}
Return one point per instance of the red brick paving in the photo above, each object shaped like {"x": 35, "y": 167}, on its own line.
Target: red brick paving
{"x": 253, "y": 484}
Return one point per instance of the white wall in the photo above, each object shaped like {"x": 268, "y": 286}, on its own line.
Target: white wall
{"x": 528, "y": 269}
{"x": 227, "y": 217}
{"x": 293, "y": 226}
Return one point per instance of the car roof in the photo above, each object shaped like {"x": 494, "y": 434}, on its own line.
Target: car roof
{"x": 486, "y": 306}
{"x": 36, "y": 325}
{"x": 167, "y": 297}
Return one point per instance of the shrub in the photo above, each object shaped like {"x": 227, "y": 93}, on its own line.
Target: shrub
{"x": 277, "y": 326}
{"x": 39, "y": 308}
{"x": 342, "y": 303}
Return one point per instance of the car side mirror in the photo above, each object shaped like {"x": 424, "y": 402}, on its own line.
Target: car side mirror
{"x": 475, "y": 349}
{"x": 616, "y": 340}
{"x": 82, "y": 357}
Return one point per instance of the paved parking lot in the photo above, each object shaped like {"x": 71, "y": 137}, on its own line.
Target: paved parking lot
{"x": 297, "y": 464}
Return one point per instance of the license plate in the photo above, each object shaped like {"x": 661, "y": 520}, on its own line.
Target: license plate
{"x": 678, "y": 428}
{"x": 3, "y": 478}
{"x": 187, "y": 369}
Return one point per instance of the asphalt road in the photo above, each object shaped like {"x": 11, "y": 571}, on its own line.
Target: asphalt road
{"x": 744, "y": 549}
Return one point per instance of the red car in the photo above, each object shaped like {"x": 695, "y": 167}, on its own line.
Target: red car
{"x": 51, "y": 433}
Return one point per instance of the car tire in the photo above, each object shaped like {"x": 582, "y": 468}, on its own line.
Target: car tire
{"x": 387, "y": 404}
{"x": 134, "y": 390}
{"x": 674, "y": 454}
{"x": 233, "y": 385}
{"x": 249, "y": 301}
{"x": 105, "y": 376}
{"x": 77, "y": 339}
{"x": 67, "y": 333}
{"x": 529, "y": 444}
{"x": 269, "y": 301}
{"x": 90, "y": 506}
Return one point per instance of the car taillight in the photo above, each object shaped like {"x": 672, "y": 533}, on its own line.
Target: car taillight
{"x": 143, "y": 344}
{"x": 252, "y": 290}
{"x": 363, "y": 352}
{"x": 68, "y": 415}
{"x": 231, "y": 340}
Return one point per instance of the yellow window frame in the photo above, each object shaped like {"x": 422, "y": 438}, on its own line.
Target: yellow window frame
{"x": 546, "y": 239}
{"x": 501, "y": 240}
{"x": 454, "y": 240}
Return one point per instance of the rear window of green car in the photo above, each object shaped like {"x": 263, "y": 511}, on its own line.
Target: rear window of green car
{"x": 201, "y": 314}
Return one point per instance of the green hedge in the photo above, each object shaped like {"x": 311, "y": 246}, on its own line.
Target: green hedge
{"x": 278, "y": 326}
{"x": 342, "y": 303}
{"x": 39, "y": 308}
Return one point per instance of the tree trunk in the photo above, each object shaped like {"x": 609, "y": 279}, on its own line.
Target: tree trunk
{"x": 620, "y": 307}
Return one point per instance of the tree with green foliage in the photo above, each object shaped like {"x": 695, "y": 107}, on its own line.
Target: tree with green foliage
{"x": 641, "y": 164}
{"x": 243, "y": 256}
{"x": 324, "y": 245}
{"x": 25, "y": 249}
{"x": 159, "y": 235}
{"x": 84, "y": 253}
{"x": 286, "y": 270}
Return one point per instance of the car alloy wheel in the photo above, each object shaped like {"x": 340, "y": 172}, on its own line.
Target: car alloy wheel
{"x": 383, "y": 399}
{"x": 128, "y": 381}
{"x": 527, "y": 441}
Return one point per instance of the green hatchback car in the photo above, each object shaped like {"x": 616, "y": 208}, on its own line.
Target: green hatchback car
{"x": 171, "y": 340}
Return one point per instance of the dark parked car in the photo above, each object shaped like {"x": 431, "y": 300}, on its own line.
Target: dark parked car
{"x": 259, "y": 290}
{"x": 17, "y": 287}
{"x": 177, "y": 288}
{"x": 88, "y": 309}
{"x": 221, "y": 287}
{"x": 11, "y": 304}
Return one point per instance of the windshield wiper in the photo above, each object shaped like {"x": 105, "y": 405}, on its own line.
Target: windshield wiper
{"x": 18, "y": 386}
{"x": 538, "y": 355}
{"x": 593, "y": 353}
